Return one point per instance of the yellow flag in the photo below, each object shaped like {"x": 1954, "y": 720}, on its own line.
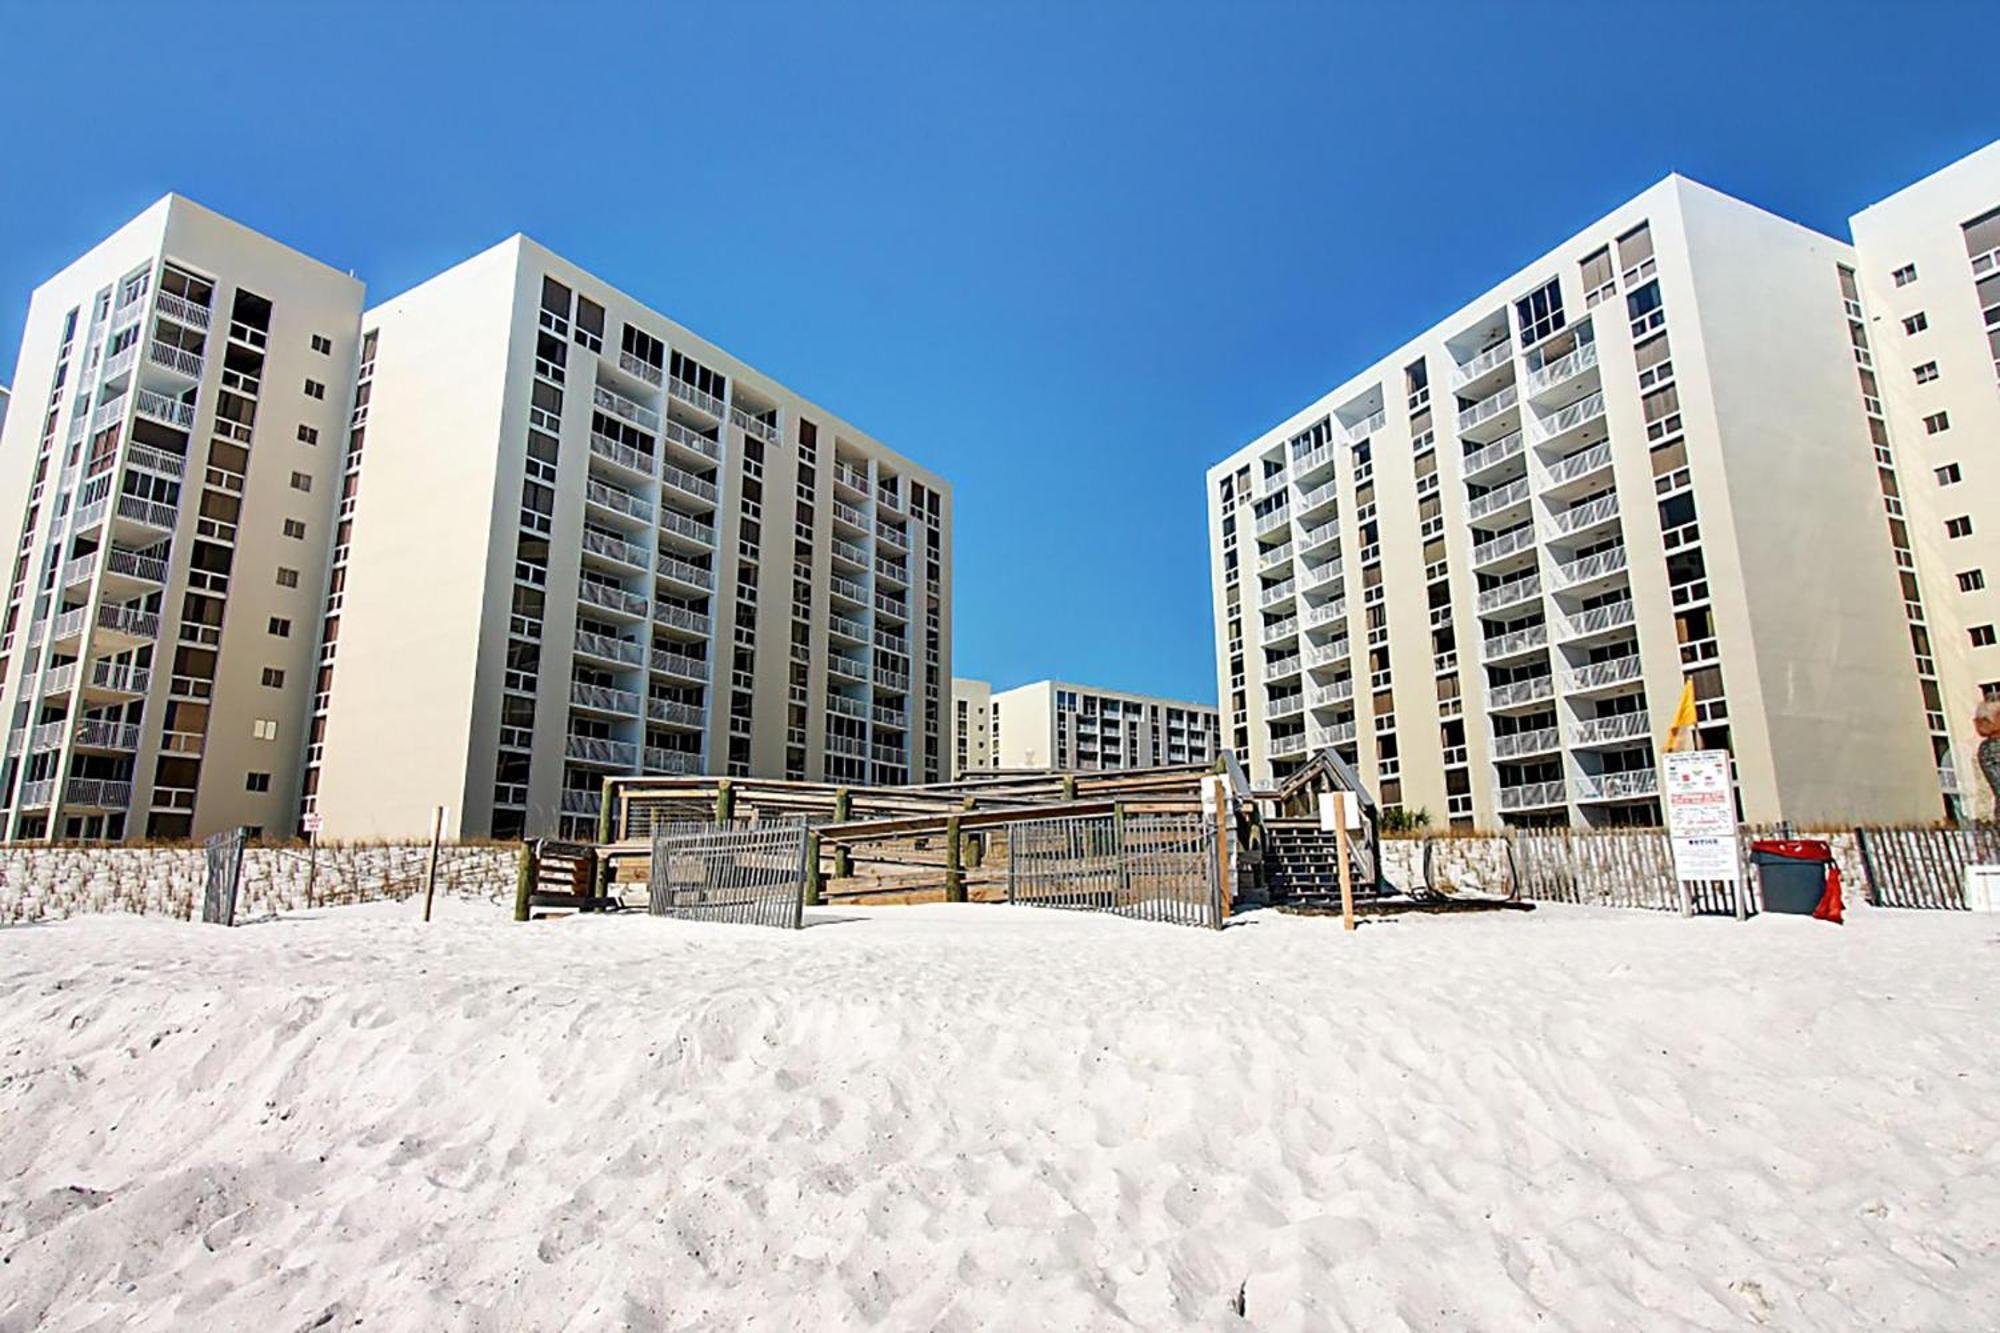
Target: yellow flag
{"x": 1684, "y": 718}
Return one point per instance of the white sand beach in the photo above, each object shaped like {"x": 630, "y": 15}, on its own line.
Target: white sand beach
{"x": 982, "y": 1117}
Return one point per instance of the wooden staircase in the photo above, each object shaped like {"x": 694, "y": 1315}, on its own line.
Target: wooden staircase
{"x": 1301, "y": 864}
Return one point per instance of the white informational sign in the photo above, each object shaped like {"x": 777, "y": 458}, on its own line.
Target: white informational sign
{"x": 309, "y": 823}
{"x": 1335, "y": 806}
{"x": 1701, "y": 821}
{"x": 1214, "y": 791}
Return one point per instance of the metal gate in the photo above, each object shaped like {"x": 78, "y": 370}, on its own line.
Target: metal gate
{"x": 747, "y": 874}
{"x": 223, "y": 854}
{"x": 1147, "y": 867}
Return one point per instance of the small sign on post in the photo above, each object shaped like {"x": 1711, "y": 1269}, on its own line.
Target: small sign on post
{"x": 1701, "y": 824}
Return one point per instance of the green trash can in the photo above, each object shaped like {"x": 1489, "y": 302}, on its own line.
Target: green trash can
{"x": 1791, "y": 876}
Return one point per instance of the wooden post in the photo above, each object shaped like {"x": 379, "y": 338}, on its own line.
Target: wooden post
{"x": 1340, "y": 800}
{"x": 600, "y": 876}
{"x": 813, "y": 895}
{"x": 725, "y": 801}
{"x": 431, "y": 875}
{"x": 1223, "y": 836}
{"x": 1069, "y": 786}
{"x": 312, "y": 865}
{"x": 1124, "y": 893}
{"x": 524, "y": 881}
{"x": 843, "y": 810}
{"x": 975, "y": 843}
{"x": 954, "y": 872}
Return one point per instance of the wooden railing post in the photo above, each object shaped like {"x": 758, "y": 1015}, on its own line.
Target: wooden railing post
{"x": 1069, "y": 786}
{"x": 813, "y": 894}
{"x": 843, "y": 810}
{"x": 725, "y": 801}
{"x": 524, "y": 882}
{"x": 954, "y": 871}
{"x": 600, "y": 879}
{"x": 975, "y": 843}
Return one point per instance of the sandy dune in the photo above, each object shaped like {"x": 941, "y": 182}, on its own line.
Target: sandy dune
{"x": 988, "y": 1117}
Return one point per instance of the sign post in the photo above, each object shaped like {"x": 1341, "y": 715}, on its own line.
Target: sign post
{"x": 309, "y": 825}
{"x": 1338, "y": 812}
{"x": 1701, "y": 824}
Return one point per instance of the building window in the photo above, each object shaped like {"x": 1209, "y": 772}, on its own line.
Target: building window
{"x": 1916, "y": 323}
{"x": 288, "y": 578}
{"x": 1927, "y": 372}
{"x": 1972, "y": 580}
{"x": 1982, "y": 636}
{"x": 308, "y": 435}
{"x": 1905, "y": 275}
{"x": 1949, "y": 475}
{"x": 264, "y": 729}
{"x": 301, "y": 481}
{"x": 1958, "y": 527}
{"x": 295, "y": 529}
{"x": 257, "y": 782}
{"x": 314, "y": 389}
{"x": 274, "y": 677}
{"x": 281, "y": 627}
{"x": 1937, "y": 423}
{"x": 322, "y": 344}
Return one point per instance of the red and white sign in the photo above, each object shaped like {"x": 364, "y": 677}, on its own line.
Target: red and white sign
{"x": 1701, "y": 820}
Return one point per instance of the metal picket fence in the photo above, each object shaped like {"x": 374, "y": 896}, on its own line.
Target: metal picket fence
{"x": 1146, "y": 867}
{"x": 752, "y": 874}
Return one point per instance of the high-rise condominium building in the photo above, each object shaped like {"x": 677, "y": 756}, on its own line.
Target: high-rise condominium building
{"x": 971, "y": 726}
{"x": 1482, "y": 568}
{"x": 577, "y": 541}
{"x": 1929, "y": 267}
{"x": 169, "y": 468}
{"x": 1055, "y": 724}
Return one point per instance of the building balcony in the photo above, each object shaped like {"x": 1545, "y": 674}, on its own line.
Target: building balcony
{"x": 1277, "y": 594}
{"x": 1483, "y": 367}
{"x": 842, "y": 706}
{"x": 1533, "y": 796}
{"x": 1332, "y": 694}
{"x": 1611, "y": 674}
{"x": 599, "y": 752}
{"x": 689, "y": 530}
{"x": 1597, "y": 620}
{"x": 638, "y": 368}
{"x": 1314, "y": 578}
{"x": 893, "y": 680}
{"x": 124, "y": 627}
{"x": 606, "y": 649}
{"x": 1327, "y": 613}
{"x": 1489, "y": 418}
{"x": 618, "y": 405}
{"x": 675, "y": 763}
{"x": 1584, "y": 463}
{"x": 848, "y": 516}
{"x": 1616, "y": 729}
{"x": 1601, "y": 569}
{"x": 1527, "y": 744}
{"x": 756, "y": 426}
{"x": 1562, "y": 374}
{"x": 1314, "y": 539}
{"x": 1274, "y": 556}
{"x": 688, "y": 484}
{"x": 890, "y": 572}
{"x": 114, "y": 737}
{"x": 1318, "y": 499}
{"x": 1494, "y": 456}
{"x": 699, "y": 399}
{"x": 847, "y": 590}
{"x": 1281, "y": 668}
{"x": 1289, "y": 706}
{"x": 890, "y": 717}
{"x": 678, "y": 436}
{"x": 1635, "y": 784}
{"x": 1586, "y": 517}
{"x": 1516, "y": 643}
{"x": 1283, "y": 632}
{"x": 1490, "y": 503}
{"x": 1520, "y": 694}
{"x": 685, "y": 668}
{"x": 166, "y": 411}
{"x": 891, "y": 537}
{"x": 611, "y": 600}
{"x": 673, "y": 569}
{"x": 891, "y": 608}
{"x": 850, "y": 478}
{"x": 156, "y": 461}
{"x": 1494, "y": 550}
{"x": 617, "y": 504}
{"x": 1284, "y": 747}
{"x": 1314, "y": 464}
{"x": 1358, "y": 431}
{"x": 603, "y": 699}
{"x": 613, "y": 550}
{"x": 846, "y": 628}
{"x": 1565, "y": 422}
{"x": 846, "y": 667}
{"x": 175, "y": 360}
{"x": 1277, "y": 520}
{"x": 676, "y": 713}
{"x": 183, "y": 311}
{"x": 587, "y": 803}
{"x": 622, "y": 458}
{"x": 1322, "y": 655}
{"x": 680, "y": 620}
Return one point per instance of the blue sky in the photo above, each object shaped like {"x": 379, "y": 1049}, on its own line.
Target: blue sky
{"x": 1068, "y": 255}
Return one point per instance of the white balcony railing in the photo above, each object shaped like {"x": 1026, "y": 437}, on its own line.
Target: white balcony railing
{"x": 598, "y": 750}
{"x": 618, "y": 405}
{"x": 1278, "y": 592}
{"x": 1285, "y": 746}
{"x": 682, "y": 571}
{"x": 644, "y": 369}
{"x": 1274, "y": 520}
{"x": 1492, "y": 357}
{"x": 177, "y": 359}
{"x": 750, "y": 425}
{"x": 1573, "y": 572}
{"x": 1616, "y": 786}
{"x": 614, "y": 548}
{"x": 1609, "y": 730}
{"x": 1326, "y": 613}
{"x": 1598, "y": 619}
{"x": 1487, "y": 408}
{"x": 691, "y": 528}
{"x": 1587, "y": 515}
{"x": 95, "y": 734}
{"x": 1579, "y": 413}
{"x": 606, "y": 597}
{"x": 1516, "y": 641}
{"x": 693, "y": 397}
{"x": 692, "y": 440}
{"x": 679, "y": 762}
{"x": 98, "y": 793}
{"x": 680, "y": 617}
{"x": 155, "y": 460}
{"x": 1506, "y": 544}
{"x": 682, "y": 666}
{"x": 1598, "y": 675}
{"x": 1281, "y": 631}
{"x": 1580, "y": 464}
{"x": 1479, "y": 506}
{"x": 129, "y": 620}
{"x": 1532, "y": 795}
{"x": 621, "y": 454}
{"x": 1521, "y": 744}
{"x": 603, "y": 698}
{"x": 151, "y": 513}
{"x": 182, "y": 310}
{"x": 1364, "y": 428}
{"x": 618, "y": 500}
{"x": 606, "y": 648}
{"x": 1560, "y": 371}
{"x": 1532, "y": 690}
{"x": 1493, "y": 455}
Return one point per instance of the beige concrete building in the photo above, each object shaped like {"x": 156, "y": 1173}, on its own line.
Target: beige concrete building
{"x": 971, "y": 726}
{"x": 1482, "y": 567}
{"x": 578, "y": 541}
{"x": 183, "y": 385}
{"x": 1058, "y": 725}
{"x": 1929, "y": 276}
